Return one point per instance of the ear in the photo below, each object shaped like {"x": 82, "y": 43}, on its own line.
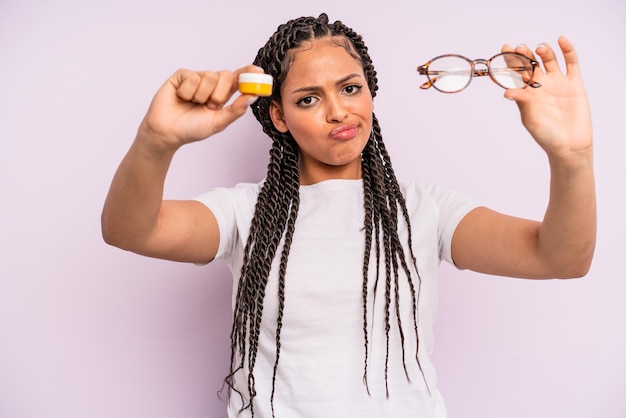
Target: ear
{"x": 276, "y": 113}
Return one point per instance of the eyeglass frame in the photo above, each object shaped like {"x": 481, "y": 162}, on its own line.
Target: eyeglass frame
{"x": 478, "y": 72}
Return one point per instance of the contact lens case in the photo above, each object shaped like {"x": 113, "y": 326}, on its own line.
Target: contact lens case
{"x": 256, "y": 84}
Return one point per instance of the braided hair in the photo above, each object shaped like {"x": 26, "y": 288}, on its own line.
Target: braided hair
{"x": 278, "y": 201}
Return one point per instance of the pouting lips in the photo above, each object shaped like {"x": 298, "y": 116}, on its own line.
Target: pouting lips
{"x": 345, "y": 131}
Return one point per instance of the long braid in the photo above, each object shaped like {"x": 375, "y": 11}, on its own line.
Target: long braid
{"x": 371, "y": 223}
{"x": 267, "y": 227}
{"x": 396, "y": 200}
{"x": 384, "y": 203}
{"x": 278, "y": 202}
{"x": 292, "y": 186}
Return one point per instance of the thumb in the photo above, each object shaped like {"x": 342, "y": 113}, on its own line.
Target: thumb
{"x": 232, "y": 112}
{"x": 517, "y": 95}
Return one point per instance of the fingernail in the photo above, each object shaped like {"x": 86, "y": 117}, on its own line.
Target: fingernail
{"x": 251, "y": 100}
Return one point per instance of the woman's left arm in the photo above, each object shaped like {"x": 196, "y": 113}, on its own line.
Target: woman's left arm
{"x": 562, "y": 245}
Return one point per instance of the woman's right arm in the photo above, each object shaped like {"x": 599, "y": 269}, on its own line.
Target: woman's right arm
{"x": 189, "y": 107}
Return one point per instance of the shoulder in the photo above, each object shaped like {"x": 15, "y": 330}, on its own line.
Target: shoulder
{"x": 238, "y": 194}
{"x": 443, "y": 204}
{"x": 438, "y": 195}
{"x": 231, "y": 205}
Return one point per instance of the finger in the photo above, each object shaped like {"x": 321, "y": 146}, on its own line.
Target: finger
{"x": 239, "y": 106}
{"x": 205, "y": 87}
{"x": 520, "y": 49}
{"x": 186, "y": 83}
{"x": 516, "y": 95}
{"x": 249, "y": 69}
{"x": 570, "y": 56}
{"x": 548, "y": 57}
{"x": 228, "y": 84}
{"x": 524, "y": 50}
{"x": 222, "y": 91}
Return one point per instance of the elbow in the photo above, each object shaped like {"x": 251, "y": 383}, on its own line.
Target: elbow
{"x": 577, "y": 268}
{"x": 115, "y": 239}
{"x": 107, "y": 228}
{"x": 121, "y": 236}
{"x": 109, "y": 236}
{"x": 112, "y": 235}
{"x": 577, "y": 273}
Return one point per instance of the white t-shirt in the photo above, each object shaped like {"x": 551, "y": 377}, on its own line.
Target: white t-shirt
{"x": 321, "y": 367}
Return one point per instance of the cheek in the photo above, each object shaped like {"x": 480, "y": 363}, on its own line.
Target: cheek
{"x": 296, "y": 128}
{"x": 364, "y": 108}
{"x": 370, "y": 106}
{"x": 367, "y": 112}
{"x": 305, "y": 125}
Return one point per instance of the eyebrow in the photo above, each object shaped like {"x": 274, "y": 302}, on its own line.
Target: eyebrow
{"x": 315, "y": 88}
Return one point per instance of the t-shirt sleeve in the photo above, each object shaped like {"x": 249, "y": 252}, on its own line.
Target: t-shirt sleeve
{"x": 221, "y": 204}
{"x": 453, "y": 206}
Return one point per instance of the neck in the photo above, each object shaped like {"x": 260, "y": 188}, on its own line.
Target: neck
{"x": 309, "y": 176}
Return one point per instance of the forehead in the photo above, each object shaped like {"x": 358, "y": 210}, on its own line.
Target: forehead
{"x": 322, "y": 57}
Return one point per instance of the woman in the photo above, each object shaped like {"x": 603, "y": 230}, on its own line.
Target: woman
{"x": 335, "y": 260}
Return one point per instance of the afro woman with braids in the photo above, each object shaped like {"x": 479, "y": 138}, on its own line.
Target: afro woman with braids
{"x": 335, "y": 261}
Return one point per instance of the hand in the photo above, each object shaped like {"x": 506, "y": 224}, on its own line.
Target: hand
{"x": 191, "y": 106}
{"x": 557, "y": 113}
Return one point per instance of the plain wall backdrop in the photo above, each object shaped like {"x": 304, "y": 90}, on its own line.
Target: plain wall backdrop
{"x": 88, "y": 330}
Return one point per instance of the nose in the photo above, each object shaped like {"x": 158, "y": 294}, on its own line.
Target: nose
{"x": 336, "y": 110}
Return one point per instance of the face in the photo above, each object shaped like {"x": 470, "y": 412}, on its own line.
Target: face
{"x": 327, "y": 106}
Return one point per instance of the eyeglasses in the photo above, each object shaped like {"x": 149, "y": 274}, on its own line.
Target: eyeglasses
{"x": 452, "y": 73}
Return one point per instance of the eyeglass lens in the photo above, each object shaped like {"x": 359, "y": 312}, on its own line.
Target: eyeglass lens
{"x": 511, "y": 71}
{"x": 453, "y": 73}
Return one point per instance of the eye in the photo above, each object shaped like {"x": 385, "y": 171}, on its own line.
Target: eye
{"x": 352, "y": 89}
{"x": 307, "y": 101}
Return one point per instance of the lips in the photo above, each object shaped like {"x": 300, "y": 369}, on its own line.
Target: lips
{"x": 345, "y": 132}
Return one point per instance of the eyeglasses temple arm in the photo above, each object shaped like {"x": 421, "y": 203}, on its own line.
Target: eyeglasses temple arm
{"x": 423, "y": 70}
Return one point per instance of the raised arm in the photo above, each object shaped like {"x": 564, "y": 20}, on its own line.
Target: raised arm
{"x": 562, "y": 245}
{"x": 189, "y": 107}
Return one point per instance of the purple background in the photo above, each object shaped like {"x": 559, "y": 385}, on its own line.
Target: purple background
{"x": 87, "y": 330}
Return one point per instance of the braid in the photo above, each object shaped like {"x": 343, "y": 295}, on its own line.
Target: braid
{"x": 393, "y": 202}
{"x": 277, "y": 207}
